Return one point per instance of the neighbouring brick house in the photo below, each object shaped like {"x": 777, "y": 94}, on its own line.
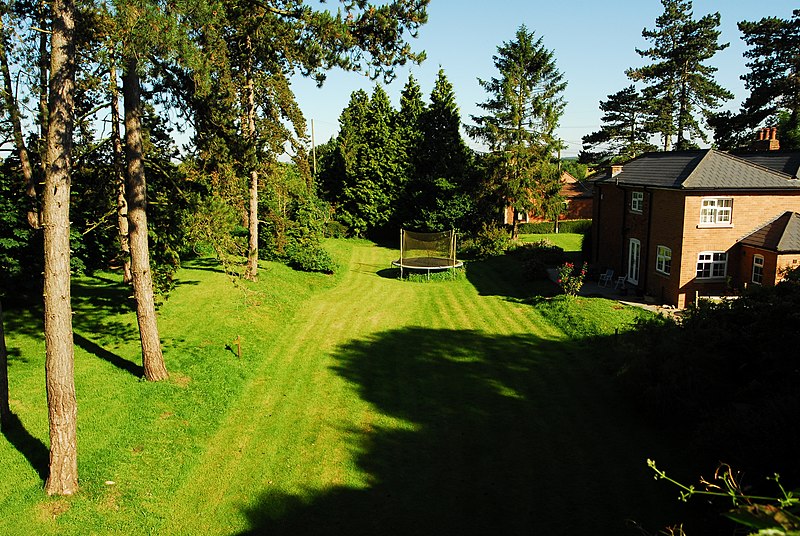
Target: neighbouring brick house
{"x": 677, "y": 225}
{"x": 577, "y": 199}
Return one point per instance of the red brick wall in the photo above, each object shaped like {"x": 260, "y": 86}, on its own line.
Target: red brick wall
{"x": 750, "y": 212}
{"x": 666, "y": 230}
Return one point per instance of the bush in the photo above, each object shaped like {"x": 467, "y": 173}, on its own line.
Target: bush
{"x": 335, "y": 229}
{"x": 571, "y": 280}
{"x": 311, "y": 258}
{"x": 545, "y": 227}
{"x": 536, "y": 257}
{"x": 491, "y": 241}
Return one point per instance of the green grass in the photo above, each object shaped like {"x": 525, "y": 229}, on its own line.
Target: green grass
{"x": 566, "y": 241}
{"x": 361, "y": 404}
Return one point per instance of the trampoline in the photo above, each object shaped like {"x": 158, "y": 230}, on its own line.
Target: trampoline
{"x": 427, "y": 252}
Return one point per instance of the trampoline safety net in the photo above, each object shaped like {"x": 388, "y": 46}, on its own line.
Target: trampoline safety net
{"x": 427, "y": 251}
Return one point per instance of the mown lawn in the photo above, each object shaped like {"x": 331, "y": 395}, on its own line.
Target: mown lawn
{"x": 361, "y": 404}
{"x": 566, "y": 241}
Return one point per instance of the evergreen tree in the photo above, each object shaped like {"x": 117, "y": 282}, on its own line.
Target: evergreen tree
{"x": 623, "y": 134}
{"x": 679, "y": 84}
{"x": 60, "y": 358}
{"x": 523, "y": 109}
{"x": 774, "y": 77}
{"x": 373, "y": 183}
{"x": 410, "y": 137}
{"x": 439, "y": 188}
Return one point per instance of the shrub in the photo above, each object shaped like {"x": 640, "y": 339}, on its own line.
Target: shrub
{"x": 571, "y": 280}
{"x": 335, "y": 229}
{"x": 492, "y": 240}
{"x": 536, "y": 257}
{"x": 312, "y": 258}
{"x": 545, "y": 227}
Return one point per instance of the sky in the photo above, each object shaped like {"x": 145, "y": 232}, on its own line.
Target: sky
{"x": 594, "y": 42}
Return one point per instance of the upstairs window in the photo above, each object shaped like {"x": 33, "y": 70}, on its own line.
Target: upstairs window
{"x": 637, "y": 201}
{"x": 716, "y": 211}
{"x": 712, "y": 265}
{"x": 663, "y": 259}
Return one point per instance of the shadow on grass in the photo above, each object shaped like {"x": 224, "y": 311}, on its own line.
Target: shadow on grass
{"x": 31, "y": 447}
{"x": 98, "y": 351}
{"x": 503, "y": 276}
{"x": 502, "y": 435}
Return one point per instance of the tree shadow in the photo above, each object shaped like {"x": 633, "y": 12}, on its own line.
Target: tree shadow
{"x": 503, "y": 435}
{"x": 29, "y": 446}
{"x": 504, "y": 276}
{"x": 97, "y": 350}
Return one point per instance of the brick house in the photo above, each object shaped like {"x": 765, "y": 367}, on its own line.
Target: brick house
{"x": 677, "y": 225}
{"x": 578, "y": 201}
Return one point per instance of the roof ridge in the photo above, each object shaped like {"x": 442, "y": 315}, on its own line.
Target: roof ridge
{"x": 762, "y": 225}
{"x": 696, "y": 167}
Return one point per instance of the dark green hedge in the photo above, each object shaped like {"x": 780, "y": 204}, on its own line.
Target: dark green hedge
{"x": 566, "y": 226}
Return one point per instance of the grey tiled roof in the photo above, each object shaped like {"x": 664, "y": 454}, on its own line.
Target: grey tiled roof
{"x": 781, "y": 234}
{"x": 706, "y": 169}
{"x": 784, "y": 161}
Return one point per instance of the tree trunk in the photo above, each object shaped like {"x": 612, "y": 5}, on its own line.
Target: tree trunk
{"x": 152, "y": 358}
{"x": 251, "y": 272}
{"x": 19, "y": 140}
{"x": 60, "y": 360}
{"x": 5, "y": 409}
{"x": 119, "y": 171}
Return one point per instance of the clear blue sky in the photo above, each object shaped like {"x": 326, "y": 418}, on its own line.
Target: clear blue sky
{"x": 594, "y": 42}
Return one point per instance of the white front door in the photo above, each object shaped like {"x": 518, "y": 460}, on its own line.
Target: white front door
{"x": 634, "y": 253}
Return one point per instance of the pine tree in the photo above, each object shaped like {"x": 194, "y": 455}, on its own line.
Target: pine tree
{"x": 774, "y": 77}
{"x": 679, "y": 84}
{"x": 60, "y": 359}
{"x": 524, "y": 106}
{"x": 410, "y": 137}
{"x": 623, "y": 134}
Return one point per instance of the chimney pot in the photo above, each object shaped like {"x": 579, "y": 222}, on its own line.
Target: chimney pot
{"x": 774, "y": 133}
{"x": 761, "y": 135}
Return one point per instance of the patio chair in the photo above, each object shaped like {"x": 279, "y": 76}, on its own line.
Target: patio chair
{"x": 606, "y": 278}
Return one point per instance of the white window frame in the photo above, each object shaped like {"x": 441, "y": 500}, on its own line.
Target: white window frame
{"x": 634, "y": 260}
{"x": 758, "y": 270}
{"x": 637, "y": 202}
{"x": 663, "y": 260}
{"x": 717, "y": 263}
{"x": 716, "y": 212}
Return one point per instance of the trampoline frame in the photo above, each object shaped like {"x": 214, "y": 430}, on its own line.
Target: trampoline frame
{"x": 427, "y": 263}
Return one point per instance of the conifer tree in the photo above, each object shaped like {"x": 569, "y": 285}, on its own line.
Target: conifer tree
{"x": 440, "y": 186}
{"x": 522, "y": 112}
{"x": 679, "y": 84}
{"x": 409, "y": 135}
{"x": 623, "y": 134}
{"x": 774, "y": 77}
{"x": 60, "y": 359}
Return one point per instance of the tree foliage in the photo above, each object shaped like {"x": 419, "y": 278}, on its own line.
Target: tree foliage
{"x": 679, "y": 84}
{"x": 522, "y": 112}
{"x": 774, "y": 77}
{"x": 623, "y": 134}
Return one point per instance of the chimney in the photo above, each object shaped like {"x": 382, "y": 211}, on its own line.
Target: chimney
{"x": 767, "y": 140}
{"x": 616, "y": 169}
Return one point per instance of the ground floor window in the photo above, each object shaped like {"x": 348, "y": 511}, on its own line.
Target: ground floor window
{"x": 712, "y": 264}
{"x": 663, "y": 259}
{"x": 758, "y": 269}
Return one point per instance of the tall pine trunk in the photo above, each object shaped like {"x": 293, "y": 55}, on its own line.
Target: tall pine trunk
{"x": 44, "y": 66}
{"x": 152, "y": 358}
{"x": 119, "y": 177}
{"x": 60, "y": 359}
{"x": 251, "y": 272}
{"x": 19, "y": 140}
{"x": 5, "y": 409}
